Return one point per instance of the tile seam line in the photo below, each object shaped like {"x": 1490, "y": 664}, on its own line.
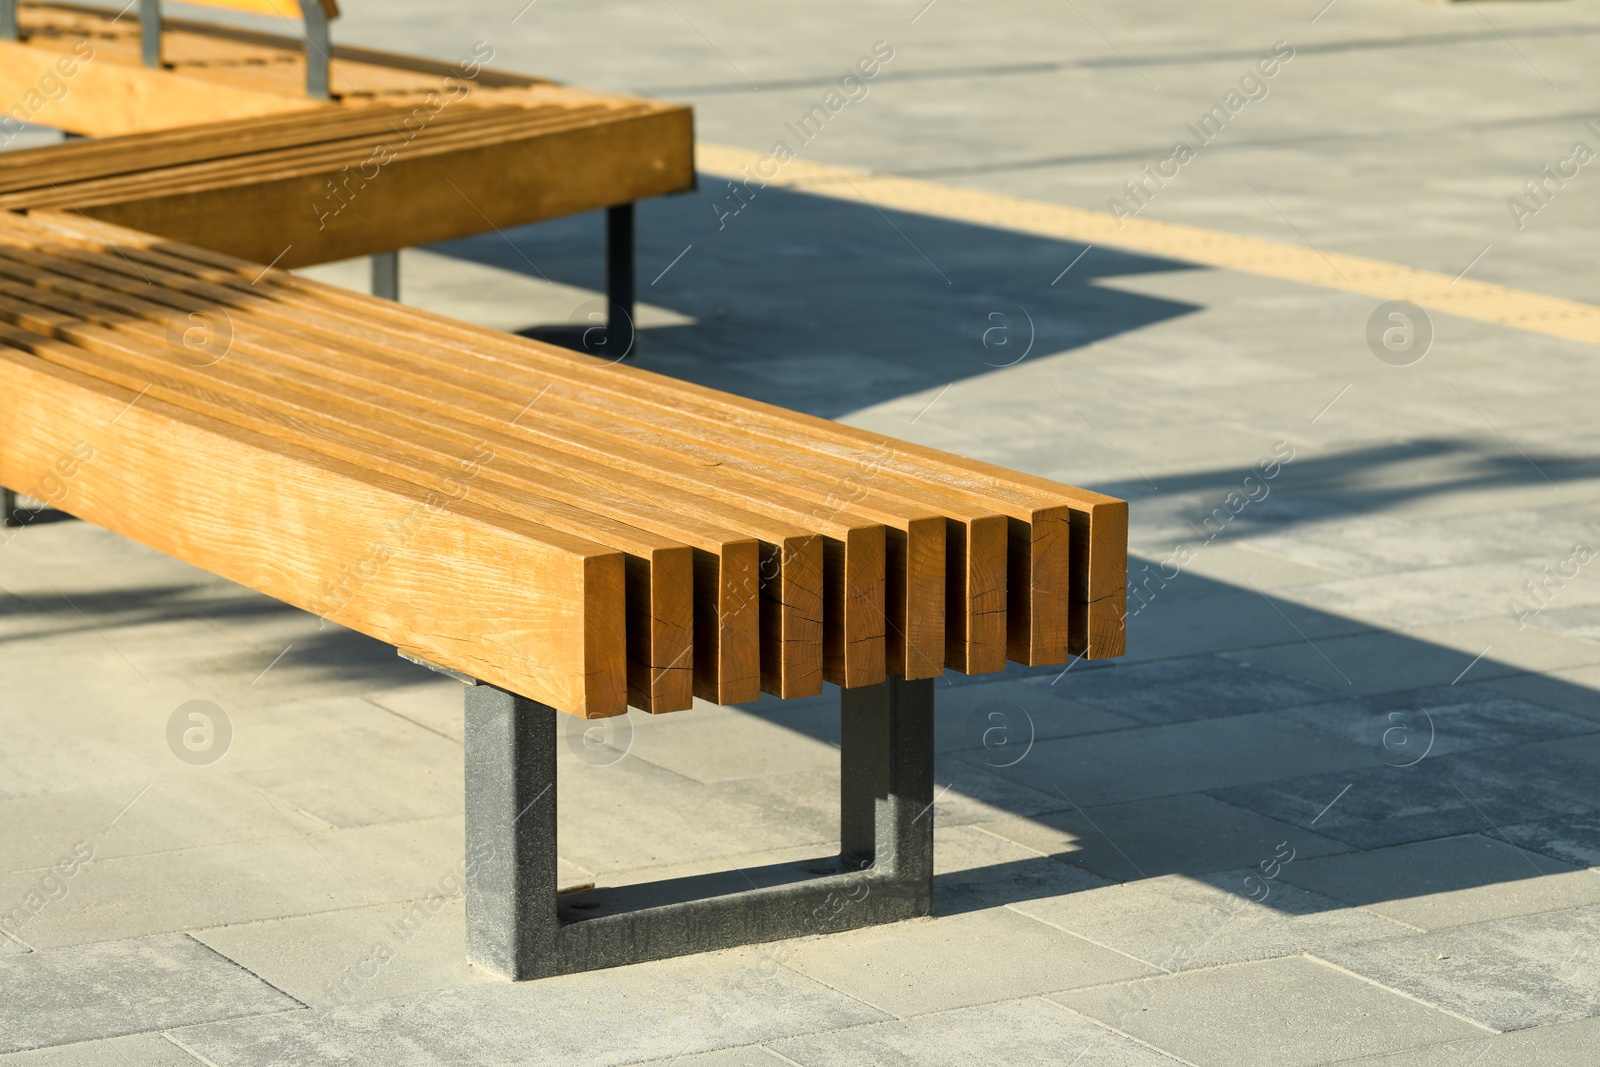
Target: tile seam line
{"x": 1050, "y": 998}
{"x": 1465, "y": 298}
{"x": 1402, "y": 993}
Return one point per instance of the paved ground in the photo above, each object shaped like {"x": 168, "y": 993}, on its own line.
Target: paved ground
{"x": 1338, "y": 805}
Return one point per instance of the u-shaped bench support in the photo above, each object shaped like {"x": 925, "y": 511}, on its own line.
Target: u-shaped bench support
{"x": 518, "y": 927}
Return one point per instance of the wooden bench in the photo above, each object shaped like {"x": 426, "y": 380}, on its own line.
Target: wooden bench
{"x": 243, "y": 146}
{"x": 563, "y": 533}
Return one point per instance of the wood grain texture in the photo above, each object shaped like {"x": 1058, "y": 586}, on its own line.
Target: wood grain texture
{"x": 352, "y": 365}
{"x": 524, "y": 608}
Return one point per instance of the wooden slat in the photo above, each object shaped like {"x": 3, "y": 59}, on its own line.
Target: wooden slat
{"x": 976, "y": 544}
{"x": 528, "y": 609}
{"x": 792, "y": 610}
{"x": 727, "y": 669}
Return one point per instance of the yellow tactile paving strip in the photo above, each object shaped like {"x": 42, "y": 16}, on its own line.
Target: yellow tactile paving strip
{"x": 1469, "y": 299}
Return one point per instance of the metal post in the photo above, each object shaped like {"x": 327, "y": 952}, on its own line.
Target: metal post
{"x": 511, "y": 830}
{"x": 8, "y": 509}
{"x": 518, "y": 927}
{"x": 620, "y": 332}
{"x": 150, "y": 32}
{"x": 386, "y": 275}
{"x": 319, "y": 50}
{"x": 8, "y": 21}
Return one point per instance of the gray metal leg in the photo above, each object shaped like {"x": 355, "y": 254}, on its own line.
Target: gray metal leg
{"x": 518, "y": 927}
{"x": 8, "y": 509}
{"x": 386, "y": 275}
{"x": 319, "y": 50}
{"x": 150, "y": 32}
{"x": 620, "y": 333}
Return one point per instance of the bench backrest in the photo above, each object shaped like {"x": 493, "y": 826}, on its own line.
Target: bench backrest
{"x": 317, "y": 14}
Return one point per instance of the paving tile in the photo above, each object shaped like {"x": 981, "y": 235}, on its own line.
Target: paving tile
{"x": 954, "y": 962}
{"x": 1180, "y": 758}
{"x": 374, "y": 953}
{"x": 1575, "y": 691}
{"x": 239, "y": 882}
{"x": 1448, "y": 882}
{"x": 748, "y": 1056}
{"x": 1540, "y": 1046}
{"x": 1004, "y": 718}
{"x": 1410, "y": 725}
{"x": 435, "y": 703}
{"x": 651, "y": 1011}
{"x": 139, "y": 1050}
{"x": 1286, "y": 1012}
{"x": 1373, "y": 663}
{"x": 1572, "y": 838}
{"x": 349, "y": 763}
{"x": 1181, "y": 922}
{"x": 1013, "y": 1033}
{"x": 1228, "y": 620}
{"x": 1190, "y": 834}
{"x": 189, "y": 808}
{"x": 966, "y": 789}
{"x": 1192, "y": 688}
{"x": 974, "y": 869}
{"x": 124, "y": 987}
{"x": 724, "y": 745}
{"x": 1507, "y": 974}
{"x": 1439, "y": 797}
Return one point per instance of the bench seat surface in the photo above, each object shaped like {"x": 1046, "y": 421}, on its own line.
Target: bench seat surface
{"x": 589, "y": 535}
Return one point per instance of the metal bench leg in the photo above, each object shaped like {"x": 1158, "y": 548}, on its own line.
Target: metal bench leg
{"x": 620, "y": 332}
{"x": 8, "y": 510}
{"x": 386, "y": 275}
{"x": 150, "y": 32}
{"x": 518, "y": 927}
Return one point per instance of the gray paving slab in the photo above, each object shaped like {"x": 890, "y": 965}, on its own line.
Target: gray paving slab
{"x": 376, "y": 953}
{"x": 1183, "y": 922}
{"x": 1198, "y": 688}
{"x": 1014, "y": 1033}
{"x": 1453, "y": 881}
{"x": 1285, "y": 1011}
{"x": 1180, "y": 758}
{"x": 1572, "y": 1042}
{"x": 1507, "y": 974}
{"x": 1373, "y": 662}
{"x": 936, "y": 964}
{"x": 1190, "y": 834}
{"x": 626, "y": 1015}
{"x": 1439, "y": 797}
{"x": 68, "y": 995}
{"x": 1005, "y": 717}
{"x": 1571, "y": 691}
{"x": 974, "y": 869}
{"x": 1411, "y": 725}
{"x": 238, "y": 882}
{"x": 749, "y": 1056}
{"x": 1572, "y": 838}
{"x": 139, "y": 1050}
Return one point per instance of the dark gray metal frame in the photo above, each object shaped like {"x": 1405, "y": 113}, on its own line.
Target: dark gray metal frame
{"x": 620, "y": 282}
{"x": 520, "y": 927}
{"x": 318, "y": 38}
{"x": 8, "y": 510}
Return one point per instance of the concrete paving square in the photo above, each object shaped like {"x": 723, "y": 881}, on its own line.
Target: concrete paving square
{"x": 1289, "y": 1011}
{"x": 125, "y": 987}
{"x": 1508, "y": 974}
{"x": 1017, "y": 1033}
{"x": 932, "y": 965}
